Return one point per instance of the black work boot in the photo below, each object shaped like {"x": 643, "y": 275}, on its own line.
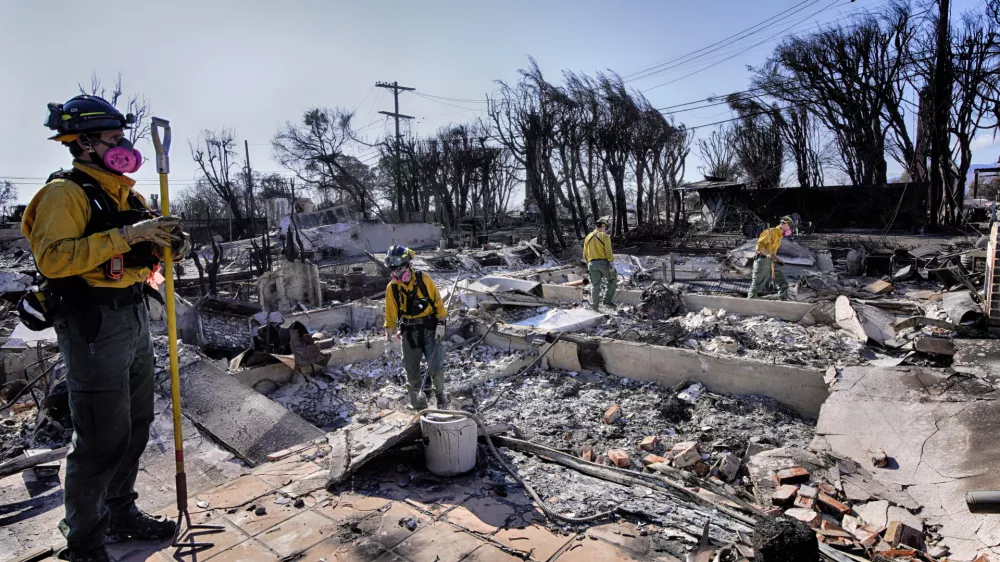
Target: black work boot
{"x": 442, "y": 401}
{"x": 98, "y": 554}
{"x": 141, "y": 526}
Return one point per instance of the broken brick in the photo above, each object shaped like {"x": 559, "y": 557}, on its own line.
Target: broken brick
{"x": 805, "y": 503}
{"x": 808, "y": 491}
{"x": 686, "y": 454}
{"x": 827, "y": 489}
{"x": 613, "y": 414}
{"x": 587, "y": 453}
{"x": 729, "y": 467}
{"x": 879, "y": 458}
{"x": 868, "y": 533}
{"x": 793, "y": 475}
{"x": 850, "y": 523}
{"x": 833, "y": 505}
{"x": 827, "y": 523}
{"x": 809, "y": 517}
{"x": 619, "y": 458}
{"x": 653, "y": 459}
{"x": 879, "y": 287}
{"x": 898, "y": 533}
{"x": 784, "y": 495}
{"x": 649, "y": 443}
{"x": 701, "y": 469}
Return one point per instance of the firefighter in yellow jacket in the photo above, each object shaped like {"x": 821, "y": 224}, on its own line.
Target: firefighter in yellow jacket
{"x": 415, "y": 312}
{"x": 96, "y": 242}
{"x": 600, "y": 264}
{"x": 766, "y": 264}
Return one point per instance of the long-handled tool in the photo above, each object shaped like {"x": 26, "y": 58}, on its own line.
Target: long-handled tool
{"x": 163, "y": 168}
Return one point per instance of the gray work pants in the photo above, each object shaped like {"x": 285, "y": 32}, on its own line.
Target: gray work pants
{"x": 109, "y": 362}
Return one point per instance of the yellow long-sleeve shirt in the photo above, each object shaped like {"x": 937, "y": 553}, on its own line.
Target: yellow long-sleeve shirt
{"x": 54, "y": 223}
{"x": 770, "y": 241}
{"x": 392, "y": 311}
{"x": 597, "y": 246}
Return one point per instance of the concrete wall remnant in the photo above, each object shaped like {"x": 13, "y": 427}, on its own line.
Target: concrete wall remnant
{"x": 291, "y": 284}
{"x": 356, "y": 238}
{"x": 802, "y": 389}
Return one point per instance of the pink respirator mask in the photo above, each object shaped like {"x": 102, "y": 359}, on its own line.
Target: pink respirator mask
{"x": 122, "y": 157}
{"x": 403, "y": 275}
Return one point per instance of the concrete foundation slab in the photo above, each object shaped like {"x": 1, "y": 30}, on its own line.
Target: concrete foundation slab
{"x": 246, "y": 422}
{"x": 938, "y": 430}
{"x": 802, "y": 389}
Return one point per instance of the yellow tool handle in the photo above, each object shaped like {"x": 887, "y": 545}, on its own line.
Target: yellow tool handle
{"x": 162, "y": 146}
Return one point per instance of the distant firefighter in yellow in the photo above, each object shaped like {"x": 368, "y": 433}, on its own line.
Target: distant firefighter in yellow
{"x": 766, "y": 264}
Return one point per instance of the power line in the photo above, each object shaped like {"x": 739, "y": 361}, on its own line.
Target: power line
{"x": 748, "y": 32}
{"x": 828, "y": 6}
{"x": 446, "y": 103}
{"x": 459, "y": 100}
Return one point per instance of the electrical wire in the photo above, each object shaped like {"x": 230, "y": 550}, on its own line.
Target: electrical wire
{"x": 784, "y": 31}
{"x": 659, "y": 67}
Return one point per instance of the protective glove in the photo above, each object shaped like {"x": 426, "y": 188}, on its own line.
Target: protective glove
{"x": 182, "y": 246}
{"x": 439, "y": 333}
{"x": 158, "y": 230}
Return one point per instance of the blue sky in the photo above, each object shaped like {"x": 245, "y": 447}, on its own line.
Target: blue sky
{"x": 253, "y": 65}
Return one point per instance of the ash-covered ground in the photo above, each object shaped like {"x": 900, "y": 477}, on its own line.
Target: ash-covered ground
{"x": 564, "y": 411}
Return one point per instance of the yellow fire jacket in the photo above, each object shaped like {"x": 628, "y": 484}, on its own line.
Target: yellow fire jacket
{"x": 597, "y": 246}
{"x": 392, "y": 311}
{"x": 770, "y": 241}
{"x": 55, "y": 220}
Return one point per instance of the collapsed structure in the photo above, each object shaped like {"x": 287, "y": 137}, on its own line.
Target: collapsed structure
{"x": 689, "y": 422}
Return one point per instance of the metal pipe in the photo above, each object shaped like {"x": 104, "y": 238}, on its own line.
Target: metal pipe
{"x": 983, "y": 501}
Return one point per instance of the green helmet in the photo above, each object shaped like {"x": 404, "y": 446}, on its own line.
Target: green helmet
{"x": 606, "y": 221}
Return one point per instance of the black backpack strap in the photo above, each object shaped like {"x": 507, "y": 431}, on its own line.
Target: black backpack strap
{"x": 419, "y": 285}
{"x": 398, "y": 300}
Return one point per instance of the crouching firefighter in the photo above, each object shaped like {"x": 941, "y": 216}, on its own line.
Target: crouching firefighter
{"x": 96, "y": 243}
{"x": 415, "y": 312}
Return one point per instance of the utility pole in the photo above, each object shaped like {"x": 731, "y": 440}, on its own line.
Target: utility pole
{"x": 397, "y": 165}
{"x": 246, "y": 150}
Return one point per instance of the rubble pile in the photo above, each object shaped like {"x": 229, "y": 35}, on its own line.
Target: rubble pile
{"x": 757, "y": 337}
{"x": 336, "y": 396}
{"x": 803, "y": 486}
{"x": 632, "y": 425}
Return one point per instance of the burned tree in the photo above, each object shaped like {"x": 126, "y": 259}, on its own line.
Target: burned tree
{"x": 718, "y": 151}
{"x": 215, "y": 154}
{"x": 758, "y": 143}
{"x": 802, "y": 144}
{"x": 521, "y": 120}
{"x": 852, "y": 78}
{"x": 615, "y": 138}
{"x": 137, "y": 104}
{"x": 314, "y": 152}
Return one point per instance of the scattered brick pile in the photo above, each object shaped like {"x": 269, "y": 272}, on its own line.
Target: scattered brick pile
{"x": 685, "y": 455}
{"x": 835, "y": 523}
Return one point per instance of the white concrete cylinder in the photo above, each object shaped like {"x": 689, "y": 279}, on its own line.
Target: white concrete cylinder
{"x": 449, "y": 444}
